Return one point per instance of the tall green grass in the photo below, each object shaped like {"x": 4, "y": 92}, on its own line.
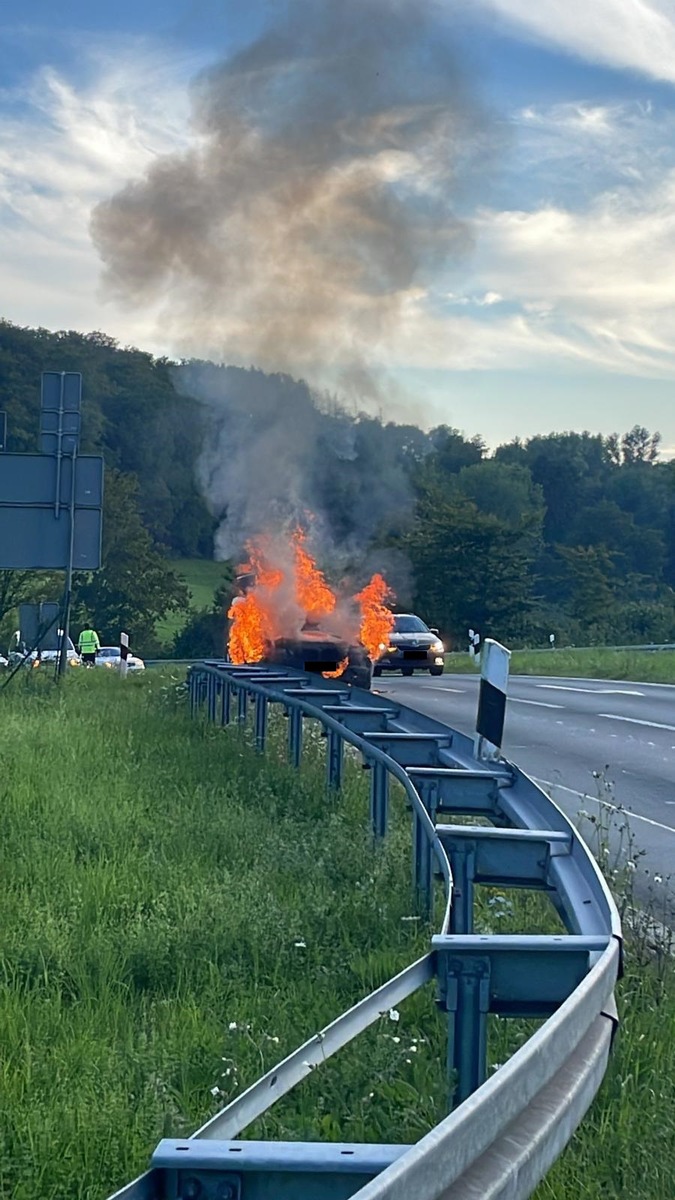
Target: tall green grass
{"x": 177, "y": 913}
{"x": 656, "y": 666}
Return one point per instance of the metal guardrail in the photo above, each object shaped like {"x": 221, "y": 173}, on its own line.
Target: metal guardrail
{"x": 505, "y": 1130}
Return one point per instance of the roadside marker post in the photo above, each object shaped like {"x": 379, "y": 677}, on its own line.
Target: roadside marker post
{"x": 494, "y": 682}
{"x": 124, "y": 653}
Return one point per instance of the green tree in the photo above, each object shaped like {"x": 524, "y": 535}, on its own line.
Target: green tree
{"x": 135, "y": 586}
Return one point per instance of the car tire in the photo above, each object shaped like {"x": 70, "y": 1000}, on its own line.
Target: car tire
{"x": 436, "y": 670}
{"x": 377, "y": 671}
{"x": 407, "y": 670}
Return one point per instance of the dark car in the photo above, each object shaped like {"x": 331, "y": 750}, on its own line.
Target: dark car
{"x": 321, "y": 653}
{"x": 413, "y": 646}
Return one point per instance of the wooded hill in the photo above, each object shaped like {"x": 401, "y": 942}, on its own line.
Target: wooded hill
{"x": 568, "y": 533}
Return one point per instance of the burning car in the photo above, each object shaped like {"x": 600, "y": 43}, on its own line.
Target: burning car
{"x": 286, "y": 613}
{"x": 321, "y": 653}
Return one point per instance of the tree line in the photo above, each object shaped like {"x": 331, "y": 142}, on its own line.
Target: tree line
{"x": 568, "y": 533}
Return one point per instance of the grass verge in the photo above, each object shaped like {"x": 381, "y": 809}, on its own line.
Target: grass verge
{"x": 178, "y": 913}
{"x": 655, "y": 666}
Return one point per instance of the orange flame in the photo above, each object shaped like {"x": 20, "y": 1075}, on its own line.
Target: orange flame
{"x": 289, "y": 589}
{"x": 313, "y": 593}
{"x": 377, "y": 621}
{"x": 342, "y": 666}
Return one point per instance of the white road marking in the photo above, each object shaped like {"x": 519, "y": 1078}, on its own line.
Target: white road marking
{"x": 559, "y": 687}
{"x": 537, "y": 703}
{"x": 605, "y": 804}
{"x": 635, "y": 721}
{"x": 436, "y": 687}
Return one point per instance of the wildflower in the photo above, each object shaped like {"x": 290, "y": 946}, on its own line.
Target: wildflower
{"x": 630, "y": 865}
{"x": 410, "y": 918}
{"x": 412, "y": 1049}
{"x": 215, "y": 1091}
{"x": 232, "y": 1025}
{"x": 300, "y": 945}
{"x": 394, "y": 1014}
{"x": 396, "y": 1040}
{"x": 658, "y": 879}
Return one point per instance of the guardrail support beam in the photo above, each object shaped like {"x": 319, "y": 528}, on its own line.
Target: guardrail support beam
{"x": 295, "y": 736}
{"x": 260, "y": 722}
{"x": 379, "y": 799}
{"x": 334, "y": 759}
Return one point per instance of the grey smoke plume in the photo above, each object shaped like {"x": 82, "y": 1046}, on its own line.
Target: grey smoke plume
{"x": 317, "y": 200}
{"x": 274, "y": 458}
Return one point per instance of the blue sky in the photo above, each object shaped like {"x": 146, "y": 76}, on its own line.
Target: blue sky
{"x": 559, "y": 311}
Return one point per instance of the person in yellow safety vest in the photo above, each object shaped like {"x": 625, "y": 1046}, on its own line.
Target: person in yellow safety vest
{"x": 87, "y": 645}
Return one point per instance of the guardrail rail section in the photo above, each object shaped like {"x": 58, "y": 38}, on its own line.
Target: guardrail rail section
{"x": 504, "y": 1130}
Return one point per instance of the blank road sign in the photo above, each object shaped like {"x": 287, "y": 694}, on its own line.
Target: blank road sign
{"x": 34, "y": 539}
{"x": 31, "y": 479}
{"x": 62, "y": 389}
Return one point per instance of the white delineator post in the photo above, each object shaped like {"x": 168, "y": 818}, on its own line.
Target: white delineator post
{"x": 124, "y": 652}
{"x": 494, "y": 680}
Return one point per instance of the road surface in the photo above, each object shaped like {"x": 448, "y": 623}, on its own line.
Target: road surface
{"x": 588, "y": 743}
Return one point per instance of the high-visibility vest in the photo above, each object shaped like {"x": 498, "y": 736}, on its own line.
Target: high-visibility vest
{"x": 88, "y": 642}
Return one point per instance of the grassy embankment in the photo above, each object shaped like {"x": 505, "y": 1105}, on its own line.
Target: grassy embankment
{"x": 177, "y": 914}
{"x": 656, "y": 666}
{"x": 203, "y": 577}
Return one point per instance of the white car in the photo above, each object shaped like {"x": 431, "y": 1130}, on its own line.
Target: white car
{"x": 17, "y": 652}
{"x": 109, "y": 656}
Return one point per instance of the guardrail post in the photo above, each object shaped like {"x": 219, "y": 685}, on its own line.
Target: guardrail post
{"x": 465, "y": 996}
{"x": 226, "y": 697}
{"x": 260, "y": 722}
{"x": 422, "y": 850}
{"x": 211, "y": 685}
{"x": 295, "y": 736}
{"x": 379, "y": 798}
{"x": 463, "y": 867}
{"x": 334, "y": 759}
{"x": 242, "y": 703}
{"x": 192, "y": 686}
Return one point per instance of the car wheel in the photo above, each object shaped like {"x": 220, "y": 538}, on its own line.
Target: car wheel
{"x": 407, "y": 670}
{"x": 436, "y": 670}
{"x": 377, "y": 671}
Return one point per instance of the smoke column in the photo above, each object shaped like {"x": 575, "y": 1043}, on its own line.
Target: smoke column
{"x": 317, "y": 199}
{"x": 315, "y": 206}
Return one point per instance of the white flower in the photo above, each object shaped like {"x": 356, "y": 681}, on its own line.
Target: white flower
{"x": 215, "y": 1091}
{"x": 630, "y": 865}
{"x": 410, "y": 918}
{"x": 232, "y": 1025}
{"x": 396, "y": 1040}
{"x": 412, "y": 1050}
{"x": 658, "y": 879}
{"x": 300, "y": 945}
{"x": 394, "y": 1014}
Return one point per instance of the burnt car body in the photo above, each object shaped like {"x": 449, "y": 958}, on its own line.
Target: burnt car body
{"x": 318, "y": 652}
{"x": 413, "y": 646}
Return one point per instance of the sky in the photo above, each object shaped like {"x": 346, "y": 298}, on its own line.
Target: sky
{"x": 533, "y": 284}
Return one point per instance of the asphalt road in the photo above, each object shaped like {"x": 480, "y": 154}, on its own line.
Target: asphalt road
{"x": 590, "y": 743}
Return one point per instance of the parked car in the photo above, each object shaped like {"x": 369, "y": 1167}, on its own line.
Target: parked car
{"x": 109, "y": 656}
{"x": 413, "y": 646}
{"x": 17, "y": 652}
{"x": 325, "y": 654}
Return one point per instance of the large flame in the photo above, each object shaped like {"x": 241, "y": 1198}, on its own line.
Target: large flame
{"x": 291, "y": 589}
{"x": 377, "y": 621}
{"x": 313, "y": 593}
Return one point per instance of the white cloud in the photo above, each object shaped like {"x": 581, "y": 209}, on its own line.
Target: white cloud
{"x": 635, "y": 34}
{"x": 62, "y": 148}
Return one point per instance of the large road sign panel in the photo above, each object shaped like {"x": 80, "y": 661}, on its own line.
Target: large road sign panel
{"x": 31, "y": 479}
{"x": 36, "y": 539}
{"x": 62, "y": 390}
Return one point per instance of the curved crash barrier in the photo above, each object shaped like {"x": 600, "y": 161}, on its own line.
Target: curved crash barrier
{"x": 506, "y": 1130}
